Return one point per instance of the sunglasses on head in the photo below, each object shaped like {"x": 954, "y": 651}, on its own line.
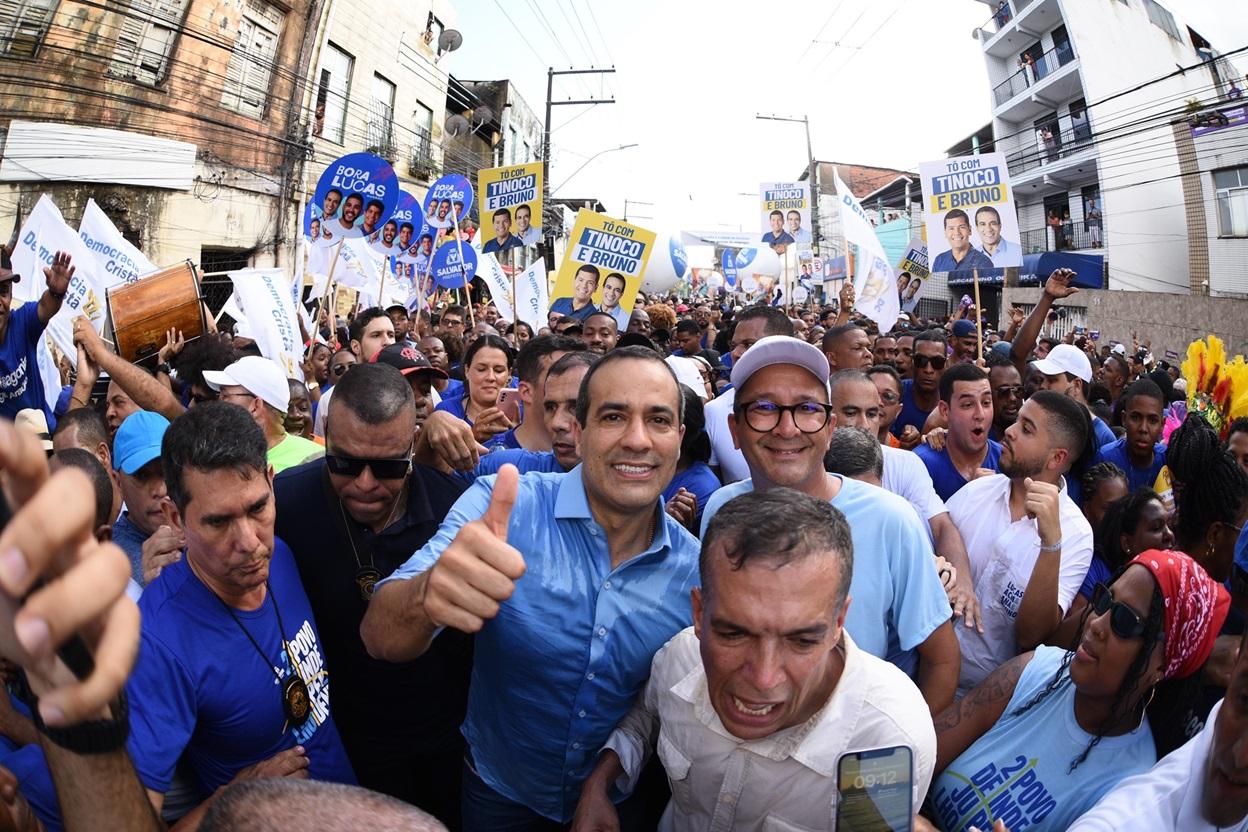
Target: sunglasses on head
{"x": 1125, "y": 622}
{"x": 339, "y": 369}
{"x": 383, "y": 469}
{"x": 937, "y": 361}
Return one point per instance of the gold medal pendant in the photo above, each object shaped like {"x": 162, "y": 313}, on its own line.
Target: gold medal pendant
{"x": 366, "y": 579}
{"x": 295, "y": 701}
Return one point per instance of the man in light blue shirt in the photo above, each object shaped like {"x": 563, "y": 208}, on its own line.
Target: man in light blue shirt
{"x": 1000, "y": 250}
{"x": 782, "y": 421}
{"x": 571, "y": 594}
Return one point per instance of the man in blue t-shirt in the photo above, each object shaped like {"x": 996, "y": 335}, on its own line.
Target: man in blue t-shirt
{"x": 921, "y": 393}
{"x": 961, "y": 256}
{"x": 1139, "y": 453}
{"x": 20, "y": 329}
{"x": 231, "y": 677}
{"x": 966, "y": 406}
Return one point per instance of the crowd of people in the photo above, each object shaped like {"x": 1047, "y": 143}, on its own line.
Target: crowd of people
{"x": 671, "y": 576}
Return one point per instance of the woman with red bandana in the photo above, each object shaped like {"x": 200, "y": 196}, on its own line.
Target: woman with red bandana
{"x": 1038, "y": 742}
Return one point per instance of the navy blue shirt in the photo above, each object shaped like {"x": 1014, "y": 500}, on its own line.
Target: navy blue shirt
{"x": 911, "y": 413}
{"x": 130, "y": 538}
{"x": 563, "y": 306}
{"x": 432, "y": 691}
{"x": 974, "y": 259}
{"x": 1116, "y": 452}
{"x": 20, "y": 384}
{"x": 946, "y": 478}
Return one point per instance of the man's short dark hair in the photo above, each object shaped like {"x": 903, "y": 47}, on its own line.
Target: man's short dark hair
{"x": 956, "y": 214}
{"x": 357, "y": 195}
{"x": 529, "y": 358}
{"x": 455, "y": 309}
{"x": 260, "y": 805}
{"x": 617, "y": 276}
{"x": 847, "y": 376}
{"x": 833, "y": 335}
{"x": 936, "y": 335}
{"x": 1145, "y": 387}
{"x": 588, "y": 269}
{"x": 886, "y": 370}
{"x": 1239, "y": 425}
{"x": 334, "y": 191}
{"x": 1068, "y": 420}
{"x": 375, "y": 393}
{"x": 406, "y": 225}
{"x": 956, "y": 373}
{"x": 854, "y": 453}
{"x": 381, "y": 206}
{"x": 777, "y": 323}
{"x": 92, "y": 428}
{"x": 101, "y": 482}
{"x": 988, "y": 209}
{"x": 687, "y": 325}
{"x": 616, "y": 355}
{"x": 207, "y": 353}
{"x": 210, "y": 437}
{"x": 777, "y": 213}
{"x": 361, "y": 321}
{"x": 598, "y": 313}
{"x": 778, "y": 526}
{"x": 502, "y": 212}
{"x": 569, "y": 361}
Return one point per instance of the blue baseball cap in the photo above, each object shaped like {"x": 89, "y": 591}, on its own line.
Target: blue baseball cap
{"x": 138, "y": 441}
{"x": 963, "y": 328}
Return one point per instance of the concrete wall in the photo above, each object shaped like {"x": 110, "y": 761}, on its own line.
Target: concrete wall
{"x": 1169, "y": 322}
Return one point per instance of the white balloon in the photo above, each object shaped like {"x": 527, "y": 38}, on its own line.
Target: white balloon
{"x": 667, "y": 266}
{"x": 800, "y": 294}
{"x": 764, "y": 262}
{"x": 715, "y": 279}
{"x": 748, "y": 284}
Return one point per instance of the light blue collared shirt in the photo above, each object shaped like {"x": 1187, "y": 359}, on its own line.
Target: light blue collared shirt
{"x": 1007, "y": 254}
{"x": 569, "y": 652}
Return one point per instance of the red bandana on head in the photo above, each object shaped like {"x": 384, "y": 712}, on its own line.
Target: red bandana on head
{"x": 1196, "y": 607}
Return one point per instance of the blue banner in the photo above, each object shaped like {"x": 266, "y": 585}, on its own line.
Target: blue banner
{"x": 448, "y": 270}
{"x": 354, "y": 197}
{"x": 448, "y": 201}
{"x": 728, "y": 264}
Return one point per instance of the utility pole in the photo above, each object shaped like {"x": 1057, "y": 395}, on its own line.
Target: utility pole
{"x": 811, "y": 174}
{"x": 628, "y": 202}
{"x": 551, "y": 72}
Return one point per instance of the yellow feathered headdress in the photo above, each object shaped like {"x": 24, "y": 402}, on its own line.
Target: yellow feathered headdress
{"x": 1217, "y": 389}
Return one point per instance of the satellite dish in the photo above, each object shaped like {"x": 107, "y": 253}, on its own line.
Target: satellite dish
{"x": 457, "y": 125}
{"x": 482, "y": 115}
{"x": 449, "y": 41}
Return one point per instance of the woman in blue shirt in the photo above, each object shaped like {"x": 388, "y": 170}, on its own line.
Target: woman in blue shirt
{"x": 1039, "y": 741}
{"x": 487, "y": 370}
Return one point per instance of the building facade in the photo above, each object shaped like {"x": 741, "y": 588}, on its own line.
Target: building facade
{"x": 1083, "y": 94}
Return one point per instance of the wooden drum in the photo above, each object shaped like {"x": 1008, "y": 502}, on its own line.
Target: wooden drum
{"x": 143, "y": 312}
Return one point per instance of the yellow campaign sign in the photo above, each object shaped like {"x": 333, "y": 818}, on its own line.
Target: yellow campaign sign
{"x": 510, "y": 200}
{"x": 602, "y": 268}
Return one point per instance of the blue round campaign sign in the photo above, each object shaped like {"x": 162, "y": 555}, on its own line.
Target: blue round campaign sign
{"x": 448, "y": 270}
{"x": 728, "y": 264}
{"x": 399, "y": 233}
{"x": 448, "y": 201}
{"x": 680, "y": 260}
{"x": 354, "y": 197}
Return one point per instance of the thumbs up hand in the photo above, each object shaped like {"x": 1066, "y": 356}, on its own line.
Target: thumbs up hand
{"x": 478, "y": 570}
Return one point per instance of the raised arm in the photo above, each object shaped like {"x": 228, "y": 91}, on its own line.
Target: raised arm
{"x": 147, "y": 392}
{"x": 1039, "y": 613}
{"x": 1055, "y": 288}
{"x": 57, "y": 276}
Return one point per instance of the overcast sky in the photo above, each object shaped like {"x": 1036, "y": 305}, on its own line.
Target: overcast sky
{"x": 874, "y": 76}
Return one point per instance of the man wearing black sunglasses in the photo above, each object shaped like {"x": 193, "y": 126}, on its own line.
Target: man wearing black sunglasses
{"x": 20, "y": 332}
{"x": 351, "y": 519}
{"x": 920, "y": 393}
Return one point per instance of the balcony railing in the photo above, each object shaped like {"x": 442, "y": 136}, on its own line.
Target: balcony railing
{"x": 1063, "y": 143}
{"x": 1044, "y": 66}
{"x": 1003, "y": 15}
{"x": 421, "y": 163}
{"x": 1069, "y": 236}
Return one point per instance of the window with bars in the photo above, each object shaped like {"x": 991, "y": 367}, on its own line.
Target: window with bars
{"x": 1231, "y": 185}
{"x": 23, "y": 26}
{"x": 381, "y": 117}
{"x": 250, "y": 71}
{"x": 146, "y": 31}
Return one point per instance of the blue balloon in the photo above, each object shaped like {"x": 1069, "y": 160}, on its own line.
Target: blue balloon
{"x": 366, "y": 176}
{"x": 448, "y": 270}
{"x": 441, "y": 210}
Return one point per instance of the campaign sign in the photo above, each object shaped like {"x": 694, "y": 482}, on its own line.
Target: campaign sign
{"x": 398, "y": 233}
{"x": 728, "y": 262}
{"x": 355, "y": 195}
{"x": 602, "y": 267}
{"x": 912, "y": 274}
{"x": 970, "y": 218}
{"x": 447, "y": 201}
{"x": 453, "y": 265}
{"x": 785, "y": 215}
{"x": 511, "y": 206}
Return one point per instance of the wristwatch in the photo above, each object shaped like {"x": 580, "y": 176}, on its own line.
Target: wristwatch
{"x": 97, "y": 736}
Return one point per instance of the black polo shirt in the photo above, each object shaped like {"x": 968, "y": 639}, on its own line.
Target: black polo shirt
{"x": 385, "y": 711}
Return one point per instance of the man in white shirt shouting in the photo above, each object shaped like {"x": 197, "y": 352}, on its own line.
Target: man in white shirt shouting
{"x": 754, "y": 705}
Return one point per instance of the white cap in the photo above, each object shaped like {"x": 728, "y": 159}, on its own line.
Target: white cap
{"x": 260, "y": 377}
{"x": 686, "y": 370}
{"x": 1119, "y": 349}
{"x": 1066, "y": 358}
{"x": 779, "y": 349}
